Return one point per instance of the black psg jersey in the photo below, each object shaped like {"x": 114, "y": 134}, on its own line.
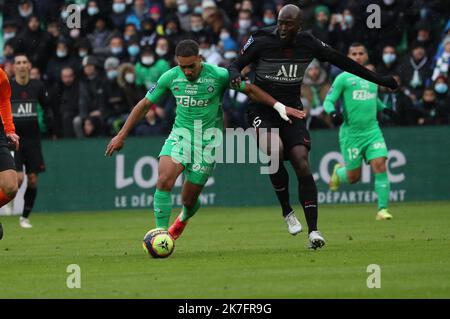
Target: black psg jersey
{"x": 24, "y": 105}
{"x": 280, "y": 67}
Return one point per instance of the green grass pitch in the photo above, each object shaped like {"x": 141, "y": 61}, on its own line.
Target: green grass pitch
{"x": 231, "y": 253}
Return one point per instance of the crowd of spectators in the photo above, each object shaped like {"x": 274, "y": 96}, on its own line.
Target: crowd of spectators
{"x": 95, "y": 74}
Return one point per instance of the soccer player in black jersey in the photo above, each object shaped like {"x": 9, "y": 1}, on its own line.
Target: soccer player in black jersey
{"x": 280, "y": 56}
{"x": 25, "y": 96}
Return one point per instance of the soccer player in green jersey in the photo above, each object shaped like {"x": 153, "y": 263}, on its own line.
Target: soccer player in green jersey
{"x": 198, "y": 89}
{"x": 360, "y": 136}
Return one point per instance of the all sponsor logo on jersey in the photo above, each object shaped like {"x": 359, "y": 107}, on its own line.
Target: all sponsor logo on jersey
{"x": 24, "y": 109}
{"x": 286, "y": 73}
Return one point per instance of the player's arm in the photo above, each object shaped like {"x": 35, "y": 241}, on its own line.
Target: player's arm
{"x": 249, "y": 54}
{"x": 262, "y": 97}
{"x": 5, "y": 111}
{"x": 326, "y": 53}
{"x": 138, "y": 113}
{"x": 332, "y": 96}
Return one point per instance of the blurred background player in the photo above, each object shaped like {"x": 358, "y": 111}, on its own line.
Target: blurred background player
{"x": 281, "y": 55}
{"x": 203, "y": 107}
{"x": 26, "y": 94}
{"x": 8, "y": 175}
{"x": 360, "y": 136}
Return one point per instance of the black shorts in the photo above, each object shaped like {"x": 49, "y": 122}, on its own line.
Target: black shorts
{"x": 6, "y": 159}
{"x": 30, "y": 155}
{"x": 291, "y": 134}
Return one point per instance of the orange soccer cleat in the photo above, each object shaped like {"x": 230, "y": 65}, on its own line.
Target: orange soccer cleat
{"x": 177, "y": 228}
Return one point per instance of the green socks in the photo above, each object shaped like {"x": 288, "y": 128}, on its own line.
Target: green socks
{"x": 188, "y": 213}
{"x": 382, "y": 188}
{"x": 342, "y": 174}
{"x": 162, "y": 208}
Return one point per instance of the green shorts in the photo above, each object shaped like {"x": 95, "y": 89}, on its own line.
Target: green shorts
{"x": 355, "y": 148}
{"x": 198, "y": 165}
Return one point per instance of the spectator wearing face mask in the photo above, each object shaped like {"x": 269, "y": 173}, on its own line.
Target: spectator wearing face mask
{"x": 443, "y": 99}
{"x": 150, "y": 68}
{"x": 269, "y": 15}
{"x": 184, "y": 14}
{"x": 197, "y": 27}
{"x": 115, "y": 108}
{"x": 245, "y": 25}
{"x": 389, "y": 61}
{"x": 343, "y": 30}
{"x": 130, "y": 32}
{"x": 163, "y": 50}
{"x": 126, "y": 79}
{"x": 61, "y": 58}
{"x": 23, "y": 11}
{"x": 10, "y": 32}
{"x": 118, "y": 14}
{"x": 89, "y": 16}
{"x": 230, "y": 50}
{"x": 117, "y": 48}
{"x": 133, "y": 50}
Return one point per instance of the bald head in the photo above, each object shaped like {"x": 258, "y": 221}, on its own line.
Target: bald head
{"x": 290, "y": 11}
{"x": 288, "y": 24}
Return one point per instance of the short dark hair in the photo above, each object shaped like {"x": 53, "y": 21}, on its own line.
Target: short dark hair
{"x": 357, "y": 44}
{"x": 21, "y": 54}
{"x": 187, "y": 48}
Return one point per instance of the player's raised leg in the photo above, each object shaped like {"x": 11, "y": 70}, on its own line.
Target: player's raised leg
{"x": 307, "y": 192}
{"x": 271, "y": 144}
{"x": 382, "y": 187}
{"x": 168, "y": 171}
{"x": 191, "y": 205}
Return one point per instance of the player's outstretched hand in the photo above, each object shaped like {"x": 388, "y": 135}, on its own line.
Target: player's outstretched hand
{"x": 114, "y": 145}
{"x": 296, "y": 113}
{"x": 13, "y": 141}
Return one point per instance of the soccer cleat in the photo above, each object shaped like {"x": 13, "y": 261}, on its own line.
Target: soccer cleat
{"x": 1, "y": 231}
{"x": 177, "y": 228}
{"x": 294, "y": 226}
{"x": 25, "y": 223}
{"x": 334, "y": 180}
{"x": 316, "y": 240}
{"x": 383, "y": 214}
